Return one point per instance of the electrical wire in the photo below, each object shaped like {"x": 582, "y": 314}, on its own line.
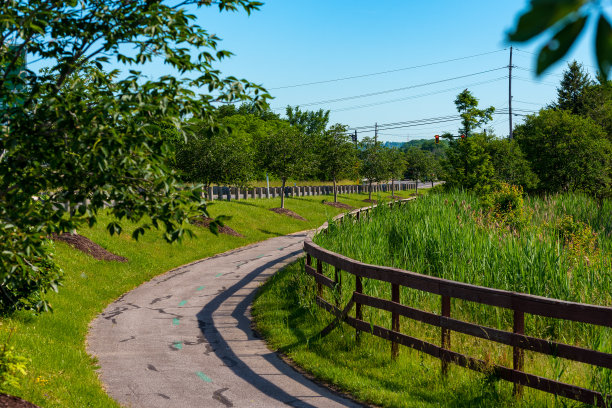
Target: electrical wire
{"x": 385, "y": 72}
{"x": 395, "y": 89}
{"x": 419, "y": 95}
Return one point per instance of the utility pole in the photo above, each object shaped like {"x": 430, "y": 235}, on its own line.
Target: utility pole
{"x": 375, "y": 133}
{"x": 510, "y": 95}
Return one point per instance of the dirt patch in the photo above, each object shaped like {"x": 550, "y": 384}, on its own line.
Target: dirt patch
{"x": 88, "y": 246}
{"x": 394, "y": 197}
{"x": 9, "y": 401}
{"x": 202, "y": 221}
{"x": 339, "y": 205}
{"x": 367, "y": 200}
{"x": 288, "y": 213}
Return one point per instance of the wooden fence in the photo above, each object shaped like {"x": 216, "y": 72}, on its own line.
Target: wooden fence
{"x": 234, "y": 193}
{"x": 519, "y": 303}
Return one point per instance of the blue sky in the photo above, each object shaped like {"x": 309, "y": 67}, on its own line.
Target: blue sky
{"x": 291, "y": 42}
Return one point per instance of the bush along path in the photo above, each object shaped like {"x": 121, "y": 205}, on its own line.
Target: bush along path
{"x": 184, "y": 339}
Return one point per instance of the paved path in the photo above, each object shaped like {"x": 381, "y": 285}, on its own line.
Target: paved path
{"x": 184, "y": 339}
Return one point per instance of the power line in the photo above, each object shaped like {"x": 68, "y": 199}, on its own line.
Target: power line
{"x": 395, "y": 89}
{"x": 419, "y": 95}
{"x": 560, "y": 59}
{"x": 385, "y": 72}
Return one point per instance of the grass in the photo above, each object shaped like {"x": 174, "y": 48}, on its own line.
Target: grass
{"x": 447, "y": 236}
{"x": 60, "y": 372}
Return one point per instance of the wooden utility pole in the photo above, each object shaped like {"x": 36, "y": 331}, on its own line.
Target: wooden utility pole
{"x": 375, "y": 133}
{"x": 510, "y": 95}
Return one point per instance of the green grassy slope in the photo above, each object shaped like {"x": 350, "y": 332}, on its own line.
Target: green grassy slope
{"x": 60, "y": 372}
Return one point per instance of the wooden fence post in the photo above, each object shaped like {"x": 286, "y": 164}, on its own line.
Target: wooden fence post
{"x": 395, "y": 319}
{"x": 358, "y": 313}
{"x": 338, "y": 288}
{"x": 446, "y": 338}
{"x": 517, "y": 352}
{"x": 320, "y": 272}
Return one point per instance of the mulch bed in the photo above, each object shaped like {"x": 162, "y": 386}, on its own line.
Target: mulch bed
{"x": 88, "y": 246}
{"x": 288, "y": 213}
{"x": 202, "y": 221}
{"x": 394, "y": 197}
{"x": 367, "y": 200}
{"x": 339, "y": 205}
{"x": 9, "y": 401}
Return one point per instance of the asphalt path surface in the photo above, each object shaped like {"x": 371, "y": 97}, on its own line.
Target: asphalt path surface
{"x": 184, "y": 339}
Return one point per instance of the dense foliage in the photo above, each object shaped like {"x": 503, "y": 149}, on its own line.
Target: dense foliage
{"x": 78, "y": 137}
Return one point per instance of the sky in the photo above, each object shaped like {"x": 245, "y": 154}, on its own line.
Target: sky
{"x": 290, "y": 42}
{"x": 388, "y": 62}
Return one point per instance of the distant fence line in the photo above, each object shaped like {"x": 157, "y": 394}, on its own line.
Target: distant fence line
{"x": 235, "y": 193}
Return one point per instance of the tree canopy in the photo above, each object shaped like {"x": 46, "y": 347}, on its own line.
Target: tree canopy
{"x": 85, "y": 137}
{"x": 471, "y": 116}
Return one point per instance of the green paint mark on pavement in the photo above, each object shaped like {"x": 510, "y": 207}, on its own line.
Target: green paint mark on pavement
{"x": 261, "y": 256}
{"x": 201, "y": 287}
{"x": 183, "y": 302}
{"x": 203, "y": 377}
{"x": 175, "y": 321}
{"x": 217, "y": 275}
{"x": 178, "y": 345}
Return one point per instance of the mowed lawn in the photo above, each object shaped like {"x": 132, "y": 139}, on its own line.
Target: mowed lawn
{"x": 60, "y": 372}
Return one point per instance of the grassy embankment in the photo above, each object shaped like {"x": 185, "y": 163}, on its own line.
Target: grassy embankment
{"x": 448, "y": 236}
{"x": 60, "y": 372}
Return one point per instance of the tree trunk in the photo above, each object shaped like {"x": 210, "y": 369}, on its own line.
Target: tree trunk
{"x": 283, "y": 193}
{"x": 370, "y": 189}
{"x": 335, "y": 191}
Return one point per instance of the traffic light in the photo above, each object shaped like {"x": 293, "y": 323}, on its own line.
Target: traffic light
{"x": 437, "y": 139}
{"x": 463, "y": 136}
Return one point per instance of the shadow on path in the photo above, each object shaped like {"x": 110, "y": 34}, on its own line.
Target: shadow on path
{"x": 234, "y": 363}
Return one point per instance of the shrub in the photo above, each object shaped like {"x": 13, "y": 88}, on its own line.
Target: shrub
{"x": 12, "y": 365}
{"x": 26, "y": 276}
{"x": 506, "y": 206}
{"x": 578, "y": 237}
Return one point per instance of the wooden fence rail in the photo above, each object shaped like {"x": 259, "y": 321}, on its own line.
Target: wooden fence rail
{"x": 519, "y": 303}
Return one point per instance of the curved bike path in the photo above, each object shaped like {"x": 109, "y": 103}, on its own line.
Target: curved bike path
{"x": 184, "y": 339}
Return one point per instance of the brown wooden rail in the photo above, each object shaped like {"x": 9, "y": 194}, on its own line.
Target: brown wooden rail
{"x": 519, "y": 303}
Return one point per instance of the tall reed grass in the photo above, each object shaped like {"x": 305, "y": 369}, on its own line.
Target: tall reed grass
{"x": 450, "y": 236}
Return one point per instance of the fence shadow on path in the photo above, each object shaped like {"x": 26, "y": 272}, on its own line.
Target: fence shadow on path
{"x": 224, "y": 352}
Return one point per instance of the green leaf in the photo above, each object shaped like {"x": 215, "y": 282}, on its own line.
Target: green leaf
{"x": 558, "y": 46}
{"x": 542, "y": 15}
{"x": 603, "y": 45}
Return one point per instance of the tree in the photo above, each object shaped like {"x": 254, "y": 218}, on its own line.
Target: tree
{"x": 509, "y": 163}
{"x": 471, "y": 116}
{"x": 420, "y": 164}
{"x": 223, "y": 156}
{"x": 373, "y": 162}
{"x": 469, "y": 166}
{"x": 338, "y": 157}
{"x": 565, "y": 20}
{"x": 396, "y": 165}
{"x": 283, "y": 153}
{"x": 82, "y": 136}
{"x": 567, "y": 152}
{"x": 309, "y": 122}
{"x": 572, "y": 91}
